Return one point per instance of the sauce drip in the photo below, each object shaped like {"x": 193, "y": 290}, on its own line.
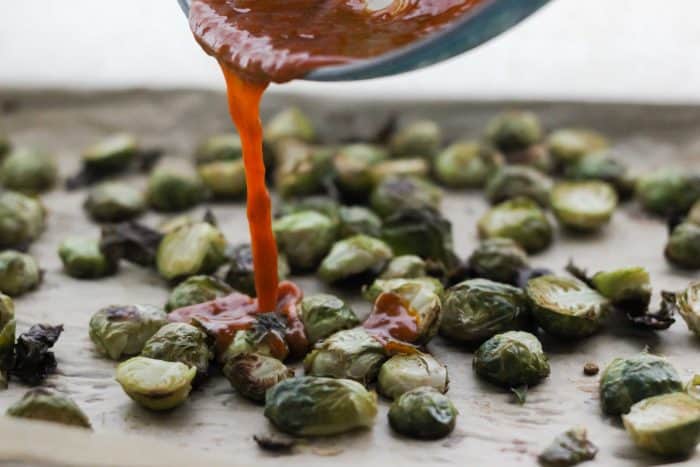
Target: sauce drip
{"x": 393, "y": 323}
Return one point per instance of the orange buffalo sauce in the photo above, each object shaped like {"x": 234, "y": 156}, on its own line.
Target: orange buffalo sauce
{"x": 393, "y": 323}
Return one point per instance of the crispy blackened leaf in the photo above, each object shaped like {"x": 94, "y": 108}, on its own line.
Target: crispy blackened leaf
{"x": 210, "y": 218}
{"x": 274, "y": 443}
{"x": 579, "y": 273}
{"x": 525, "y": 274}
{"x": 569, "y": 448}
{"x": 146, "y": 159}
{"x": 33, "y": 359}
{"x": 82, "y": 179}
{"x": 130, "y": 241}
{"x": 657, "y": 320}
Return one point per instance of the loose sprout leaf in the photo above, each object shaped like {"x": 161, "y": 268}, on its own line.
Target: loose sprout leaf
{"x": 131, "y": 241}
{"x": 274, "y": 443}
{"x": 520, "y": 394}
{"x": 658, "y": 320}
{"x": 579, "y": 273}
{"x": 570, "y": 448}
{"x": 210, "y": 218}
{"x": 33, "y": 360}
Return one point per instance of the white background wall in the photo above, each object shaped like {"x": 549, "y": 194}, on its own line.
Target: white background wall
{"x": 644, "y": 50}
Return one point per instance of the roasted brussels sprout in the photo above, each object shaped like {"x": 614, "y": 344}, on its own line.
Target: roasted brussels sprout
{"x": 689, "y": 307}
{"x": 7, "y": 338}
{"x": 511, "y": 359}
{"x": 583, "y": 206}
{"x": 305, "y": 238}
{"x": 122, "y": 330}
{"x": 423, "y": 413}
{"x": 181, "y": 342}
{"x": 355, "y": 220}
{"x": 477, "y": 309}
{"x": 498, "y": 259}
{"x": 112, "y": 154}
{"x": 404, "y": 267}
{"x": 514, "y": 181}
{"x": 569, "y": 145}
{"x": 380, "y": 286}
{"x": 115, "y": 202}
{"x": 668, "y": 191}
{"x": 5, "y": 145}
{"x": 19, "y": 273}
{"x": 514, "y": 130}
{"x": 395, "y": 193}
{"x": 566, "y": 307}
{"x": 666, "y": 425}
{"x": 694, "y": 214}
{"x": 223, "y": 147}
{"x": 83, "y": 259}
{"x": 403, "y": 373}
{"x": 420, "y": 138}
{"x": 627, "y": 287}
{"x": 301, "y": 168}
{"x": 290, "y": 123}
{"x": 28, "y": 171}
{"x": 536, "y": 156}
{"x": 353, "y": 257}
{"x": 324, "y": 314}
{"x": 197, "y": 289}
{"x": 352, "y": 167}
{"x": 224, "y": 179}
{"x": 321, "y": 204}
{"x": 33, "y": 359}
{"x": 252, "y": 374}
{"x": 568, "y": 449}
{"x": 352, "y": 354}
{"x": 683, "y": 247}
{"x": 605, "y": 167}
{"x": 241, "y": 275}
{"x": 466, "y": 164}
{"x": 49, "y": 406}
{"x": 23, "y": 219}
{"x": 413, "y": 167}
{"x": 263, "y": 342}
{"x": 155, "y": 384}
{"x": 171, "y": 190}
{"x": 193, "y": 249}
{"x": 628, "y": 380}
{"x": 315, "y": 406}
{"x": 519, "y": 219}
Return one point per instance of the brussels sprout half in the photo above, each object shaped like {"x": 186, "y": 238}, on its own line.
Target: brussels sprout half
{"x": 627, "y": 287}
{"x": 28, "y": 171}
{"x": 198, "y": 248}
{"x": 356, "y": 220}
{"x": 603, "y": 166}
{"x": 515, "y": 181}
{"x": 305, "y": 238}
{"x": 395, "y": 193}
{"x": 223, "y": 147}
{"x": 498, "y": 259}
{"x": 112, "y": 154}
{"x": 23, "y": 219}
{"x": 172, "y": 190}
{"x": 241, "y": 275}
{"x": 519, "y": 219}
{"x": 119, "y": 331}
{"x": 420, "y": 138}
{"x": 155, "y": 384}
{"x": 354, "y": 256}
{"x": 583, "y": 206}
{"x": 412, "y": 167}
{"x": 514, "y": 130}
{"x": 405, "y": 267}
{"x": 224, "y": 179}
{"x": 689, "y": 307}
{"x": 683, "y": 246}
{"x": 49, "y": 406}
{"x": 325, "y": 314}
{"x": 668, "y": 191}
{"x": 114, "y": 202}
{"x": 7, "y": 338}
{"x": 181, "y": 342}
{"x": 402, "y": 373}
{"x": 252, "y": 374}
{"x": 352, "y": 168}
{"x": 423, "y": 413}
{"x": 19, "y": 273}
{"x": 466, "y": 164}
{"x": 197, "y": 289}
{"x": 290, "y": 123}
{"x": 300, "y": 168}
{"x": 83, "y": 259}
{"x": 569, "y": 145}
{"x": 511, "y": 359}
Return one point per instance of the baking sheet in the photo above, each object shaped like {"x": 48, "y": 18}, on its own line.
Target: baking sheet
{"x": 490, "y": 428}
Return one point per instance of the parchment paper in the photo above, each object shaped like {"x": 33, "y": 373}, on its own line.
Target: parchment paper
{"x": 491, "y": 429}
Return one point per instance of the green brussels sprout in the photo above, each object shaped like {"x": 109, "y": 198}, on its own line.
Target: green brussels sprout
{"x": 694, "y": 214}
{"x": 112, "y": 154}
{"x": 5, "y": 145}
{"x": 172, "y": 190}
{"x": 193, "y": 249}
{"x": 412, "y": 167}
{"x": 514, "y": 181}
{"x": 301, "y": 168}
{"x": 605, "y": 167}
{"x": 7, "y": 338}
{"x": 566, "y": 307}
{"x": 197, "y": 289}
{"x": 420, "y": 138}
{"x": 666, "y": 425}
{"x": 241, "y": 275}
{"x": 265, "y": 342}
{"x": 290, "y": 123}
{"x": 324, "y": 314}
{"x": 379, "y": 286}
{"x": 395, "y": 193}
{"x": 252, "y": 374}
{"x": 404, "y": 267}
{"x": 689, "y": 307}
{"x": 352, "y": 354}
{"x": 122, "y": 331}
{"x": 22, "y": 219}
{"x": 498, "y": 259}
{"x": 83, "y": 259}
{"x": 403, "y": 373}
{"x": 519, "y": 219}
{"x": 155, "y": 384}
{"x": 514, "y": 130}
{"x": 536, "y": 156}
{"x": 466, "y": 164}
{"x": 19, "y": 273}
{"x": 223, "y": 147}
{"x": 511, "y": 359}
{"x": 224, "y": 179}
{"x": 628, "y": 380}
{"x": 423, "y": 413}
{"x": 355, "y": 220}
{"x": 668, "y": 191}
{"x": 115, "y": 202}
{"x": 180, "y": 342}
{"x": 693, "y": 387}
{"x": 583, "y": 206}
{"x": 477, "y": 309}
{"x": 626, "y": 287}
{"x": 353, "y": 257}
{"x": 352, "y": 167}
{"x": 321, "y": 204}
{"x": 568, "y": 449}
{"x": 683, "y": 247}
{"x": 315, "y": 406}
{"x": 28, "y": 171}
{"x": 305, "y": 238}
{"x": 49, "y": 406}
{"x": 569, "y": 145}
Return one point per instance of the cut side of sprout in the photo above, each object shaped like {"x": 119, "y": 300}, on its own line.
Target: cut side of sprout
{"x": 583, "y": 206}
